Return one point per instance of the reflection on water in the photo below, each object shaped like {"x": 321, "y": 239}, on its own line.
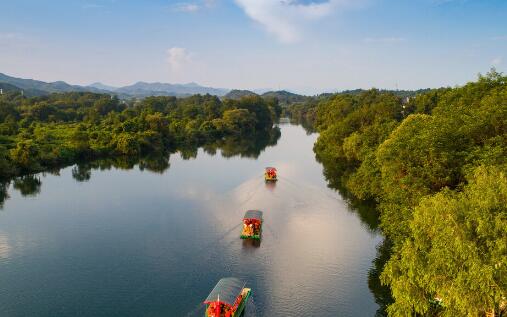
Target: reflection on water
{"x": 248, "y": 147}
{"x": 251, "y": 243}
{"x": 368, "y": 213}
{"x": 5, "y": 248}
{"x": 4, "y": 192}
{"x": 28, "y": 185}
{"x": 271, "y": 186}
{"x": 106, "y": 239}
{"x": 381, "y": 292}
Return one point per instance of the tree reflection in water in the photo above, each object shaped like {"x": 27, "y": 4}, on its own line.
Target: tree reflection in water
{"x": 4, "y": 192}
{"x": 381, "y": 293}
{"x": 370, "y": 217}
{"x": 250, "y": 147}
{"x": 28, "y": 185}
{"x": 81, "y": 173}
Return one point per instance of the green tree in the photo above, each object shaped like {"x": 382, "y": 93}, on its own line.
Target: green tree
{"x": 239, "y": 121}
{"x": 457, "y": 251}
{"x": 127, "y": 144}
{"x": 25, "y": 155}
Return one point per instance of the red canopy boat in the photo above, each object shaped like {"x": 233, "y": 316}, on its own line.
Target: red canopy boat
{"x": 270, "y": 174}
{"x": 227, "y": 299}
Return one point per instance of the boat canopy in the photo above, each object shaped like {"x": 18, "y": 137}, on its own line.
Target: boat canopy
{"x": 226, "y": 291}
{"x": 253, "y": 214}
{"x": 272, "y": 169}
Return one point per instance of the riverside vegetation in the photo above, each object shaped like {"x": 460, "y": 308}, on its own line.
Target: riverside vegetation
{"x": 40, "y": 133}
{"x": 436, "y": 166}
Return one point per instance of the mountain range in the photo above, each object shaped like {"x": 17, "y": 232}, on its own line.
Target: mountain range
{"x": 33, "y": 87}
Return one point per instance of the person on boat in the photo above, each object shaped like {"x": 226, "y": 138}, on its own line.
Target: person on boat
{"x": 213, "y": 310}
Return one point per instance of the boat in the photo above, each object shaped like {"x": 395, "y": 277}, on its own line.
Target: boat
{"x": 252, "y": 225}
{"x": 270, "y": 174}
{"x": 227, "y": 299}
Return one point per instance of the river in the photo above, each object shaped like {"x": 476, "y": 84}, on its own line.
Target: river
{"x": 141, "y": 241}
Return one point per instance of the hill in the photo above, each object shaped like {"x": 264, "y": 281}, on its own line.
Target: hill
{"x": 101, "y": 86}
{"x": 285, "y": 97}
{"x": 399, "y": 93}
{"x": 237, "y": 94}
{"x": 37, "y": 87}
{"x": 9, "y": 88}
{"x": 144, "y": 89}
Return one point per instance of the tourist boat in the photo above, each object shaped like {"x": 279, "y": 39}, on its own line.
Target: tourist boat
{"x": 270, "y": 174}
{"x": 227, "y": 299}
{"x": 252, "y": 225}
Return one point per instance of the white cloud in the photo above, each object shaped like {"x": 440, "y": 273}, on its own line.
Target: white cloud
{"x": 496, "y": 61}
{"x": 385, "y": 40}
{"x": 186, "y": 7}
{"x": 285, "y": 18}
{"x": 193, "y": 6}
{"x": 499, "y": 38}
{"x": 178, "y": 58}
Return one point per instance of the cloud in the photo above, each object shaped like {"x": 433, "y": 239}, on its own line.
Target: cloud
{"x": 186, "y": 7}
{"x": 499, "y": 38}
{"x": 178, "y": 58}
{"x": 193, "y": 6}
{"x": 285, "y": 18}
{"x": 496, "y": 61}
{"x": 384, "y": 40}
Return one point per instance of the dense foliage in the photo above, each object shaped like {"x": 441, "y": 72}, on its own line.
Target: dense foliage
{"x": 437, "y": 167}
{"x": 41, "y": 133}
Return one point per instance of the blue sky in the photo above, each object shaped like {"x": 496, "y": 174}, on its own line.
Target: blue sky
{"x": 301, "y": 45}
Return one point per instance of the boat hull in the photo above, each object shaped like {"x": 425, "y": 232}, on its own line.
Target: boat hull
{"x": 242, "y": 306}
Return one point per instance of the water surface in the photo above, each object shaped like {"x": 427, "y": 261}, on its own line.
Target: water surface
{"x": 133, "y": 242}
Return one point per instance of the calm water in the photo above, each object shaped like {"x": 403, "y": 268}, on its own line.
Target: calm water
{"x": 132, "y": 242}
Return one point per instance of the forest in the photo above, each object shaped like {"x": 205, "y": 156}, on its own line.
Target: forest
{"x": 435, "y": 166}
{"x": 47, "y": 132}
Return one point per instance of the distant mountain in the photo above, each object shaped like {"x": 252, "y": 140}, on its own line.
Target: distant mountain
{"x": 37, "y": 87}
{"x": 101, "y": 86}
{"x": 237, "y": 94}
{"x": 285, "y": 97}
{"x": 143, "y": 89}
{"x": 7, "y": 88}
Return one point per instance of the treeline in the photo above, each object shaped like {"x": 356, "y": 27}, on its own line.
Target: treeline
{"x": 155, "y": 162}
{"x": 437, "y": 167}
{"x": 41, "y": 133}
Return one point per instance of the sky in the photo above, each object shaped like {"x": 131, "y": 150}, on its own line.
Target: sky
{"x": 305, "y": 46}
